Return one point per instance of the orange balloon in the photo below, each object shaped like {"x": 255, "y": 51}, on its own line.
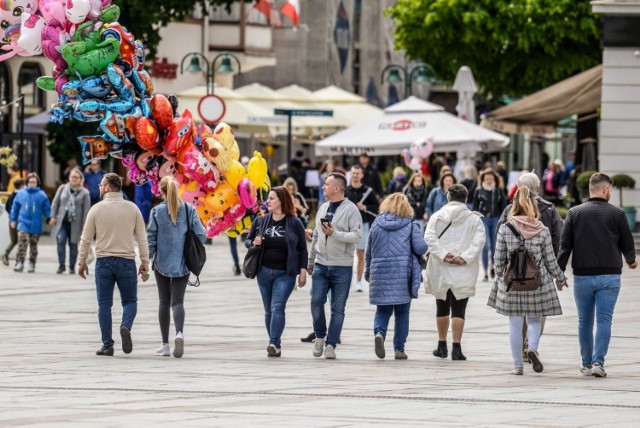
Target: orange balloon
{"x": 147, "y": 134}
{"x": 221, "y": 198}
{"x": 161, "y": 111}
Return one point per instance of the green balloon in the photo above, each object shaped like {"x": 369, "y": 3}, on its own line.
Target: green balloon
{"x": 46, "y": 83}
{"x": 90, "y": 62}
{"x": 110, "y": 14}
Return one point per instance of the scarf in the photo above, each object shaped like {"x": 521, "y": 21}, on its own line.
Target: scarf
{"x": 528, "y": 227}
{"x": 489, "y": 188}
{"x": 71, "y": 204}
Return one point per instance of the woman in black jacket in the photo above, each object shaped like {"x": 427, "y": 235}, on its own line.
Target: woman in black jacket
{"x": 417, "y": 193}
{"x": 489, "y": 200}
{"x": 284, "y": 256}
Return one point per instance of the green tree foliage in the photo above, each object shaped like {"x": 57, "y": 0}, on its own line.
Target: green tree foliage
{"x": 514, "y": 47}
{"x": 63, "y": 138}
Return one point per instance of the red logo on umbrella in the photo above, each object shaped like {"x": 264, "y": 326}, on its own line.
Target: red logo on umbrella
{"x": 402, "y": 125}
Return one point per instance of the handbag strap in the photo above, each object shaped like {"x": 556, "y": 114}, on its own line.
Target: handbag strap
{"x": 515, "y": 232}
{"x": 445, "y": 229}
{"x": 186, "y": 208}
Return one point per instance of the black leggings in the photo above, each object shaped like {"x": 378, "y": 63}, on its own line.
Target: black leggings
{"x": 451, "y": 305}
{"x": 171, "y": 294}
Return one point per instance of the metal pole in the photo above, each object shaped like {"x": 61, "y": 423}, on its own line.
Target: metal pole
{"x": 289, "y": 144}
{"x": 21, "y": 135}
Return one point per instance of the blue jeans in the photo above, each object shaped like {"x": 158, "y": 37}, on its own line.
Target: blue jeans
{"x": 595, "y": 294}
{"x": 401, "y": 329}
{"x": 275, "y": 288}
{"x": 110, "y": 271}
{"x": 336, "y": 279}
{"x": 63, "y": 236}
{"x": 491, "y": 231}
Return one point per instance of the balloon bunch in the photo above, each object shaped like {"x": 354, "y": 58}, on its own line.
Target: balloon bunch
{"x": 99, "y": 77}
{"x": 419, "y": 150}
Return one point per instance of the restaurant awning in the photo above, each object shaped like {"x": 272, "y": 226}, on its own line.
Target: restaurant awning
{"x": 539, "y": 112}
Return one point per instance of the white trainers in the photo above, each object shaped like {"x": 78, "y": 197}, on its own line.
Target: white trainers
{"x": 330, "y": 352}
{"x": 318, "y": 347}
{"x": 586, "y": 370}
{"x": 178, "y": 349}
{"x": 379, "y": 342}
{"x": 359, "y": 287}
{"x": 598, "y": 371}
{"x": 163, "y": 350}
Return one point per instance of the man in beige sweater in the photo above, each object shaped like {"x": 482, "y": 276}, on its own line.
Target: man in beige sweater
{"x": 114, "y": 223}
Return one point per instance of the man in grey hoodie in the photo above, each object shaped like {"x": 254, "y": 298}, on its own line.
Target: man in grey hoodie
{"x": 338, "y": 229}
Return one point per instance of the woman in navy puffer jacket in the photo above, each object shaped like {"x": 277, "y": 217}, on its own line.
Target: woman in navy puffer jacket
{"x": 393, "y": 270}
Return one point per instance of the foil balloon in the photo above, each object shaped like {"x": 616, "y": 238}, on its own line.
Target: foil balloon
{"x": 241, "y": 226}
{"x": 217, "y": 154}
{"x": 192, "y": 193}
{"x": 247, "y": 193}
{"x": 221, "y": 198}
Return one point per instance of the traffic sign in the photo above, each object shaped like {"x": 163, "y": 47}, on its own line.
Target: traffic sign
{"x": 211, "y": 108}
{"x": 298, "y": 112}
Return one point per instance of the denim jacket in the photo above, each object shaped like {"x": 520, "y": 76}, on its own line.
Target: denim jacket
{"x": 166, "y": 240}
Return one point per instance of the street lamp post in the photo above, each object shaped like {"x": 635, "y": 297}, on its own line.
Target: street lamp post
{"x": 210, "y": 67}
{"x": 399, "y": 73}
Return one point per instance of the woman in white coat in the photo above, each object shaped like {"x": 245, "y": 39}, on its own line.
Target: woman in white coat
{"x": 68, "y": 213}
{"x": 455, "y": 236}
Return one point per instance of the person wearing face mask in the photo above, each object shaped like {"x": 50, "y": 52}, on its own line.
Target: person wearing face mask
{"x": 69, "y": 211}
{"x": 489, "y": 200}
{"x": 29, "y": 207}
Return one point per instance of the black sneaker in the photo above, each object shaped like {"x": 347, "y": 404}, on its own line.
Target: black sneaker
{"x": 236, "y": 270}
{"x": 106, "y": 351}
{"x": 535, "y": 360}
{"x": 127, "y": 345}
{"x": 60, "y": 269}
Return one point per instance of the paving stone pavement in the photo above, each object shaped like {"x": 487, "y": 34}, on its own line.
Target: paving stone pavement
{"x": 50, "y": 375}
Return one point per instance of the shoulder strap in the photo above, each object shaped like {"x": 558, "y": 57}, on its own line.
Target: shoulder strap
{"x": 445, "y": 229}
{"x": 186, "y": 208}
{"x": 515, "y": 231}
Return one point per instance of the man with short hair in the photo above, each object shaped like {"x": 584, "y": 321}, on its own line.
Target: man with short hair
{"x": 114, "y": 222}
{"x": 596, "y": 232}
{"x": 338, "y": 229}
{"x": 367, "y": 202}
{"x": 550, "y": 218}
{"x": 455, "y": 236}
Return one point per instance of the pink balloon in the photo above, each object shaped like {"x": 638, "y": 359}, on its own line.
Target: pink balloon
{"x": 247, "y": 192}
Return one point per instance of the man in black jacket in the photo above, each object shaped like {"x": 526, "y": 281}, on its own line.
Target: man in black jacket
{"x": 371, "y": 177}
{"x": 596, "y": 232}
{"x": 365, "y": 199}
{"x": 550, "y": 218}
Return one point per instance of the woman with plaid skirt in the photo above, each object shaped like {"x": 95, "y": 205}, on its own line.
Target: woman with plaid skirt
{"x": 529, "y": 305}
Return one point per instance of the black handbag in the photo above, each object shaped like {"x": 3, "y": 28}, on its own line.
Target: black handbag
{"x": 253, "y": 259}
{"x": 195, "y": 255}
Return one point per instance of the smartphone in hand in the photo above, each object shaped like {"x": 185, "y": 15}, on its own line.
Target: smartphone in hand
{"x": 326, "y": 222}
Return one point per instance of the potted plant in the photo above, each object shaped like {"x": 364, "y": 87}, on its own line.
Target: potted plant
{"x": 582, "y": 183}
{"x": 623, "y": 181}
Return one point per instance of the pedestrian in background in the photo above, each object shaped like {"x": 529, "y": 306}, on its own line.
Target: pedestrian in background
{"x": 455, "y": 236}
{"x": 417, "y": 194}
{"x": 393, "y": 270}
{"x": 364, "y": 197}
{"x": 284, "y": 258}
{"x": 470, "y": 181}
{"x": 438, "y": 195}
{"x": 92, "y": 178}
{"x": 30, "y": 209}
{"x": 13, "y": 233}
{"x": 299, "y": 202}
{"x": 69, "y": 211}
{"x": 168, "y": 225}
{"x": 399, "y": 180}
{"x": 526, "y": 305}
{"x": 115, "y": 223}
{"x": 597, "y": 234}
{"x": 338, "y": 229}
{"x": 371, "y": 177}
{"x": 489, "y": 200}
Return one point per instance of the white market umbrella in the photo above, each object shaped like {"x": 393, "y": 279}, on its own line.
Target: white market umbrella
{"x": 403, "y": 123}
{"x": 466, "y": 87}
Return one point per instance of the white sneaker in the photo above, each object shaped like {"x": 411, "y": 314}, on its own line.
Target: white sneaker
{"x": 598, "y": 371}
{"x": 586, "y": 370}
{"x": 178, "y": 349}
{"x": 163, "y": 350}
{"x": 330, "y": 352}
{"x": 318, "y": 347}
{"x": 359, "y": 287}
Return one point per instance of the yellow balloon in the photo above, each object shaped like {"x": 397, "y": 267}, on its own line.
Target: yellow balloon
{"x": 221, "y": 198}
{"x": 224, "y": 135}
{"x": 241, "y": 226}
{"x": 257, "y": 169}
{"x": 215, "y": 152}
{"x": 204, "y": 213}
{"x": 235, "y": 173}
{"x": 234, "y": 152}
